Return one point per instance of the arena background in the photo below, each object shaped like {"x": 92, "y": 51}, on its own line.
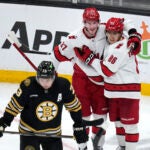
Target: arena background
{"x": 42, "y": 25}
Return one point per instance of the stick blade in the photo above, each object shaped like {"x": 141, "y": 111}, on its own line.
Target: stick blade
{"x": 13, "y": 39}
{"x": 94, "y": 122}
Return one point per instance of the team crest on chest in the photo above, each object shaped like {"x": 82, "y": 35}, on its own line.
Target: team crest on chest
{"x": 46, "y": 111}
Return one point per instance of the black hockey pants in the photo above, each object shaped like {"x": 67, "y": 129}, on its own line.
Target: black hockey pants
{"x": 34, "y": 143}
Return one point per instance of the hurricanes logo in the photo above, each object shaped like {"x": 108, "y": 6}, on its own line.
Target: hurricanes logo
{"x": 145, "y": 50}
{"x": 46, "y": 111}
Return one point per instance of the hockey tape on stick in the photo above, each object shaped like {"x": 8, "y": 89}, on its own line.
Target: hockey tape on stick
{"x": 13, "y": 39}
{"x": 15, "y": 42}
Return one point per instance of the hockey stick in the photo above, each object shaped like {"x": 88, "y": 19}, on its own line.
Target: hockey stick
{"x": 15, "y": 42}
{"x": 39, "y": 134}
{"x": 88, "y": 123}
{"x": 93, "y": 122}
{"x": 25, "y": 48}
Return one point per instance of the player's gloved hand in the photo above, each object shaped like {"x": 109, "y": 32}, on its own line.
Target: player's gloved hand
{"x": 85, "y": 54}
{"x": 134, "y": 42}
{"x": 2, "y": 126}
{"x": 80, "y": 135}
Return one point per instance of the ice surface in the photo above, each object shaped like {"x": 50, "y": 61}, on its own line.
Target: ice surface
{"x": 9, "y": 141}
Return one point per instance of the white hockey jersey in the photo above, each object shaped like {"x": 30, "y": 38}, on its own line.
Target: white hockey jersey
{"x": 120, "y": 71}
{"x": 65, "y": 50}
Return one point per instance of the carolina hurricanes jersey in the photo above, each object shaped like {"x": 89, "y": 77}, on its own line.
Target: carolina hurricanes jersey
{"x": 65, "y": 50}
{"x": 41, "y": 110}
{"x": 120, "y": 71}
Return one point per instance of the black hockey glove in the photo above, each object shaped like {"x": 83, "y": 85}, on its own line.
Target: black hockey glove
{"x": 80, "y": 133}
{"x": 134, "y": 42}
{"x": 2, "y": 126}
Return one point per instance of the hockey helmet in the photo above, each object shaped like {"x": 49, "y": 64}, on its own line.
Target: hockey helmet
{"x": 46, "y": 69}
{"x": 91, "y": 13}
{"x": 115, "y": 24}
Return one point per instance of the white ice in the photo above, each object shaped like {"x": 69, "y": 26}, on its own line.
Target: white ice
{"x": 9, "y": 141}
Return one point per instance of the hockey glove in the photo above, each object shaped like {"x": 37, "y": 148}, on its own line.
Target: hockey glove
{"x": 2, "y": 126}
{"x": 84, "y": 54}
{"x": 80, "y": 133}
{"x": 134, "y": 42}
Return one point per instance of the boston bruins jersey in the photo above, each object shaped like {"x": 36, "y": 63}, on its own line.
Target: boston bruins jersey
{"x": 41, "y": 110}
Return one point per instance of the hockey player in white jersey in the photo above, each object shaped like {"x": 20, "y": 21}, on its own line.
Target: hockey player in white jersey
{"x": 121, "y": 83}
{"x": 93, "y": 35}
{"x": 87, "y": 83}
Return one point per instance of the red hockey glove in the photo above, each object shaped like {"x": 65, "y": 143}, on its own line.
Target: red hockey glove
{"x": 134, "y": 43}
{"x": 84, "y": 54}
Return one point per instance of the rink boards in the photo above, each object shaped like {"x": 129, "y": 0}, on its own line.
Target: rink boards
{"x": 44, "y": 33}
{"x": 17, "y": 76}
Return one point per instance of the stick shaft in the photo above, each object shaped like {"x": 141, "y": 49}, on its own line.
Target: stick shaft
{"x": 25, "y": 56}
{"x": 37, "y": 52}
{"x": 88, "y": 123}
{"x": 39, "y": 134}
{"x": 15, "y": 42}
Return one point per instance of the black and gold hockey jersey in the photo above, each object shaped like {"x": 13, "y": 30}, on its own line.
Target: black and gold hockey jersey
{"x": 41, "y": 110}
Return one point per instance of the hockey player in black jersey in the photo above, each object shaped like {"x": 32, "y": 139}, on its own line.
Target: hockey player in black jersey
{"x": 40, "y": 100}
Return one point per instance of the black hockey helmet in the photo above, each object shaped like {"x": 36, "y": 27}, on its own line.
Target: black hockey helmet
{"x": 46, "y": 69}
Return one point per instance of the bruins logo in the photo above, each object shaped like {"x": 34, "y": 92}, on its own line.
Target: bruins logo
{"x": 29, "y": 147}
{"x": 46, "y": 111}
